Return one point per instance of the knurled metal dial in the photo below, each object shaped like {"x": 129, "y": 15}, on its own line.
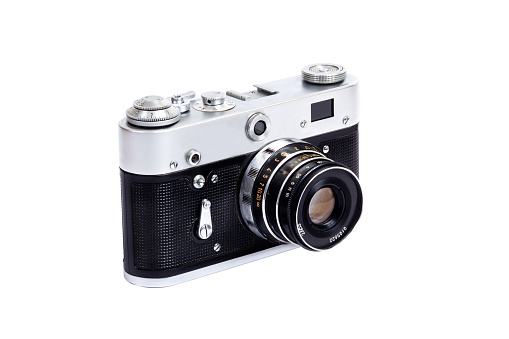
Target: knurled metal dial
{"x": 152, "y": 103}
{"x": 213, "y": 98}
{"x": 182, "y": 101}
{"x": 213, "y": 102}
{"x": 323, "y": 73}
{"x": 153, "y": 111}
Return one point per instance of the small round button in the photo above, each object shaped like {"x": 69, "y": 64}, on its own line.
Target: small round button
{"x": 213, "y": 102}
{"x": 213, "y": 98}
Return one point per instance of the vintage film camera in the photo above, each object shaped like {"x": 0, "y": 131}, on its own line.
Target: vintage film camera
{"x": 219, "y": 181}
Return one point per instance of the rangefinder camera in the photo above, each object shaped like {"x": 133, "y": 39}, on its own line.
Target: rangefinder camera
{"x": 214, "y": 182}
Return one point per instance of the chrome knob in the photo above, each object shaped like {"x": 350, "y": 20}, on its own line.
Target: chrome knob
{"x": 323, "y": 73}
{"x": 153, "y": 111}
{"x": 152, "y": 103}
{"x": 182, "y": 101}
{"x": 213, "y": 98}
{"x": 180, "y": 98}
{"x": 213, "y": 102}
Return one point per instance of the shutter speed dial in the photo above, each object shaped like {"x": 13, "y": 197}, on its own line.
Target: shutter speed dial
{"x": 156, "y": 111}
{"x": 213, "y": 102}
{"x": 152, "y": 103}
{"x": 153, "y": 111}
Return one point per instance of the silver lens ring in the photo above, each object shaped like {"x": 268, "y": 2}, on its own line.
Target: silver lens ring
{"x": 248, "y": 180}
{"x": 257, "y": 183}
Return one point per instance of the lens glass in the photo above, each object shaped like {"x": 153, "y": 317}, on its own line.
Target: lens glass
{"x": 322, "y": 206}
{"x": 260, "y": 127}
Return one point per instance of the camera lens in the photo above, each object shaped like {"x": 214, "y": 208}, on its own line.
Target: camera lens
{"x": 292, "y": 193}
{"x": 260, "y": 127}
{"x": 322, "y": 205}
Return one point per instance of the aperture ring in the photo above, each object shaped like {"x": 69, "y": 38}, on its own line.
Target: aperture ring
{"x": 288, "y": 191}
{"x": 275, "y": 171}
{"x": 322, "y": 158}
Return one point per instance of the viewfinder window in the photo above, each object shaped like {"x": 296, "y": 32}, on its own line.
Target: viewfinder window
{"x": 322, "y": 110}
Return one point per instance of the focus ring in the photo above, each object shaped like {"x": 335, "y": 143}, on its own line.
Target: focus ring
{"x": 290, "y": 163}
{"x": 289, "y": 190}
{"x": 284, "y": 193}
{"x": 261, "y": 186}
{"x": 254, "y": 183}
{"x": 248, "y": 181}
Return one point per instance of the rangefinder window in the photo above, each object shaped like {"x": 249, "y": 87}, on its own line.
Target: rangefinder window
{"x": 322, "y": 110}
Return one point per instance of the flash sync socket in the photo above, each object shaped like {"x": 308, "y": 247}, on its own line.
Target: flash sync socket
{"x": 258, "y": 126}
{"x": 193, "y": 157}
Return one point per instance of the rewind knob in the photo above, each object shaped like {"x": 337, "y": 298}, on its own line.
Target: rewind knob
{"x": 213, "y": 102}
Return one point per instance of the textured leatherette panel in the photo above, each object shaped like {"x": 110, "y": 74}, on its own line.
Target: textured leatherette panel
{"x": 160, "y": 213}
{"x": 165, "y": 214}
{"x": 344, "y": 150}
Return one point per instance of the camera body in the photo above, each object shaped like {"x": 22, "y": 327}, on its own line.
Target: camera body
{"x": 215, "y": 182}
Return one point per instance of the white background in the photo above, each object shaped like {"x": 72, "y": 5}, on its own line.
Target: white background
{"x": 430, "y": 257}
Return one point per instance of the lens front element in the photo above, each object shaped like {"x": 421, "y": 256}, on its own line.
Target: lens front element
{"x": 322, "y": 205}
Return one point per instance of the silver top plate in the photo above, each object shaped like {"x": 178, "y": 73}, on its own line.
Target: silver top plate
{"x": 222, "y": 135}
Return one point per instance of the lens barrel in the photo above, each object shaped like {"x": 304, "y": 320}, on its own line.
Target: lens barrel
{"x": 278, "y": 187}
